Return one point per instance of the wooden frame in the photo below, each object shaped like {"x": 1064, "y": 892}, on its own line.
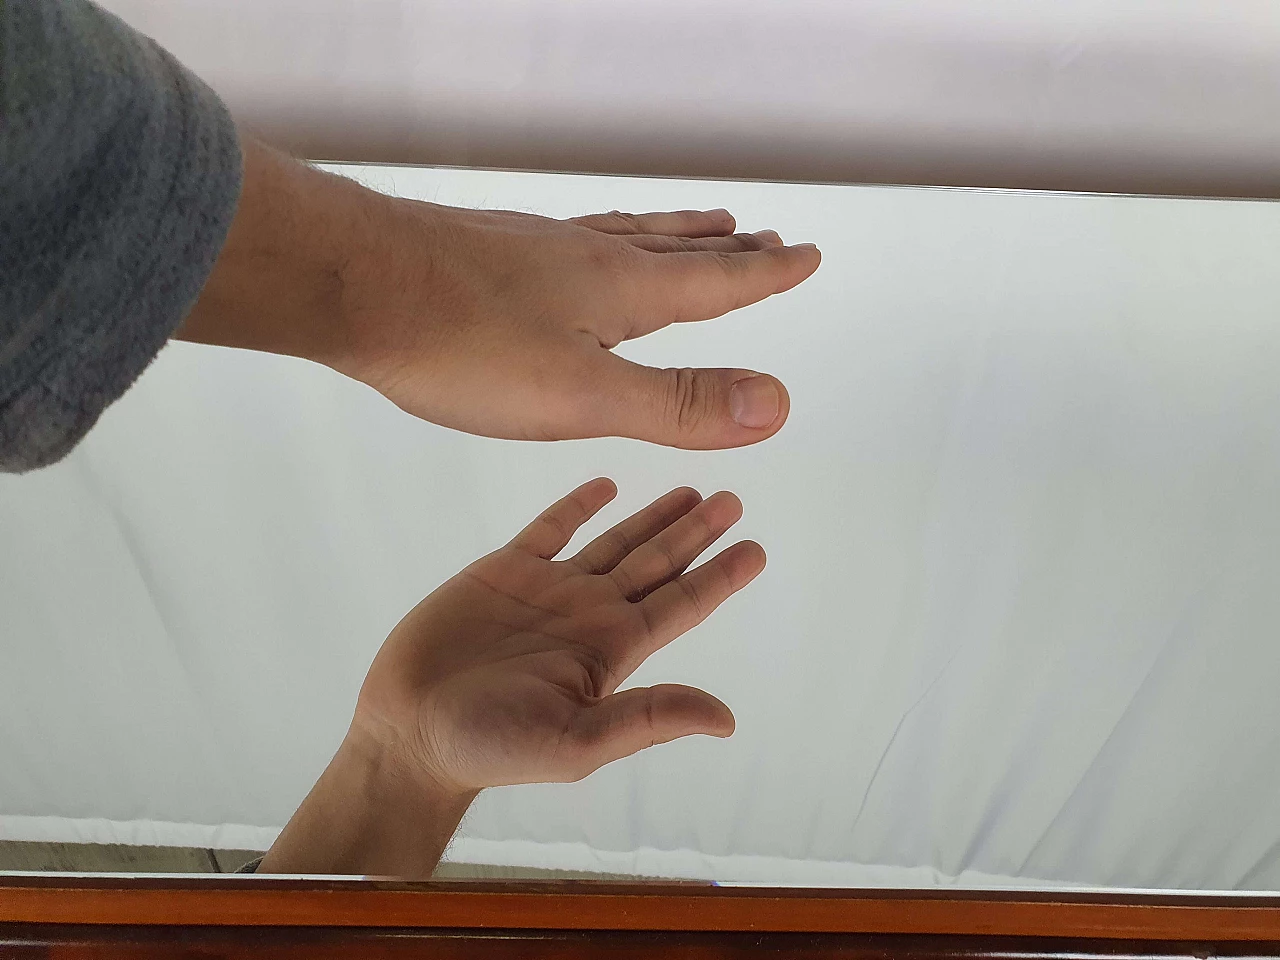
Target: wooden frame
{"x": 62, "y": 917}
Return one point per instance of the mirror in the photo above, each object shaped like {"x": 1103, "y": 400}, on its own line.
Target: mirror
{"x": 1018, "y": 626}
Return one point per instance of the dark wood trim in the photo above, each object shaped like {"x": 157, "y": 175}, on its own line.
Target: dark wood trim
{"x": 577, "y": 905}
{"x": 300, "y": 943}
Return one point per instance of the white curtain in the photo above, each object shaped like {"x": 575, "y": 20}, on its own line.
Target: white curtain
{"x": 1175, "y": 96}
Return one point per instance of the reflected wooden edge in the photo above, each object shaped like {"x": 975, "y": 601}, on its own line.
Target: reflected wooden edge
{"x": 586, "y": 906}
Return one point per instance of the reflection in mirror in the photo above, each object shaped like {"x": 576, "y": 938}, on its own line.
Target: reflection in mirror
{"x": 1017, "y": 626}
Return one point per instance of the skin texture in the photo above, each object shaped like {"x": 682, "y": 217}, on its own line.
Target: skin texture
{"x": 492, "y": 322}
{"x": 509, "y": 673}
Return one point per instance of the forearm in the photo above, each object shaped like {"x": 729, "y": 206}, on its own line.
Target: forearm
{"x": 370, "y": 816}
{"x": 278, "y": 283}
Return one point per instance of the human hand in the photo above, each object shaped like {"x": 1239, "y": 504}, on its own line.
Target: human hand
{"x": 507, "y": 673}
{"x": 502, "y": 324}
{"x": 493, "y": 322}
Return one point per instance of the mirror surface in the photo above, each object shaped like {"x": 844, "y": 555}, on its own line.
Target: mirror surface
{"x": 1018, "y": 626}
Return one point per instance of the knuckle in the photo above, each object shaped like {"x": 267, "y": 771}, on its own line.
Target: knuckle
{"x": 627, "y": 221}
{"x": 557, "y": 524}
{"x": 581, "y": 512}
{"x": 691, "y": 399}
{"x": 668, "y": 554}
{"x": 708, "y": 532}
{"x": 619, "y": 544}
{"x": 728, "y": 263}
{"x": 727, "y": 587}
{"x": 694, "y": 596}
{"x": 613, "y": 260}
{"x": 625, "y": 583}
{"x": 647, "y": 626}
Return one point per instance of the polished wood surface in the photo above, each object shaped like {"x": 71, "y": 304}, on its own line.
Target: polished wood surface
{"x": 574, "y": 905}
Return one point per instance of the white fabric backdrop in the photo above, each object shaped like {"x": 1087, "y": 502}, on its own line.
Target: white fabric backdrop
{"x": 1019, "y": 621}
{"x": 1175, "y": 96}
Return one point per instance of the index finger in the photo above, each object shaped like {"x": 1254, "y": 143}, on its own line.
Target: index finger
{"x": 674, "y": 223}
{"x": 705, "y": 284}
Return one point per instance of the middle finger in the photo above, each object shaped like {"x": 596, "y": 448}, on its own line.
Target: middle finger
{"x": 609, "y": 549}
{"x": 667, "y": 555}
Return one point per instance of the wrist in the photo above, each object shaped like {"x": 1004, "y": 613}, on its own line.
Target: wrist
{"x": 279, "y": 284}
{"x": 396, "y": 768}
{"x": 370, "y": 813}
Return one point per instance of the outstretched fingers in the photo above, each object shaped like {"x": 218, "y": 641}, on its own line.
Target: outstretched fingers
{"x": 663, "y": 557}
{"x": 552, "y": 530}
{"x": 674, "y": 223}
{"x": 702, "y": 284}
{"x": 735, "y": 243}
{"x": 609, "y": 549}
{"x": 679, "y": 606}
{"x": 675, "y": 608}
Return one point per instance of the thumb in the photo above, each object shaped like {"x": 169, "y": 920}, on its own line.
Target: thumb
{"x": 628, "y": 722}
{"x": 696, "y": 409}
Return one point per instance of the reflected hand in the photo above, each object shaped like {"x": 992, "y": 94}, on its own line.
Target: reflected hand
{"x": 507, "y": 673}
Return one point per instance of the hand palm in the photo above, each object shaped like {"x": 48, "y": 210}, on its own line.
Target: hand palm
{"x": 507, "y": 673}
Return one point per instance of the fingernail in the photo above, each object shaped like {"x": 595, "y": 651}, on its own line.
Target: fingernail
{"x": 768, "y": 236}
{"x": 804, "y": 246}
{"x": 754, "y": 402}
{"x": 718, "y": 212}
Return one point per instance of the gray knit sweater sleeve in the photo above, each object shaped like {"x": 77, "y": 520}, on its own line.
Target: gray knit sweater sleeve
{"x": 119, "y": 175}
